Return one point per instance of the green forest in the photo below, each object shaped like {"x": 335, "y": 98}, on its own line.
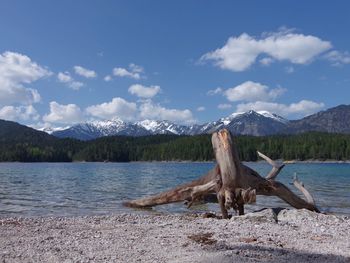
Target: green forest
{"x": 40, "y": 147}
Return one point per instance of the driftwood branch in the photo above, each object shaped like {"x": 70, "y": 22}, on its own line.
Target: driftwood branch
{"x": 301, "y": 188}
{"x": 231, "y": 183}
{"x": 276, "y": 168}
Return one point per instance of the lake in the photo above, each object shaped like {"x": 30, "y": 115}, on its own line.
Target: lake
{"x": 71, "y": 189}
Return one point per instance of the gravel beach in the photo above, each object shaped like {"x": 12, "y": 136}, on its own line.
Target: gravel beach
{"x": 271, "y": 235}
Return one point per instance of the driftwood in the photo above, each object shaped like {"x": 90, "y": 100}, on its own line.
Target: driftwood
{"x": 230, "y": 183}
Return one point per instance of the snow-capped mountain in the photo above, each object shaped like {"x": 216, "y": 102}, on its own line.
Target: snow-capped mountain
{"x": 96, "y": 129}
{"x": 51, "y": 130}
{"x": 248, "y": 123}
{"x": 162, "y": 127}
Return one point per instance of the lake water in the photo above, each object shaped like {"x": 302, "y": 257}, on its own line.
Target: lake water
{"x": 68, "y": 189}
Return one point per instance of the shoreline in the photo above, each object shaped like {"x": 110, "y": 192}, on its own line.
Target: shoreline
{"x": 270, "y": 235}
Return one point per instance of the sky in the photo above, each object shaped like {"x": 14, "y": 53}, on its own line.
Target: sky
{"x": 66, "y": 62}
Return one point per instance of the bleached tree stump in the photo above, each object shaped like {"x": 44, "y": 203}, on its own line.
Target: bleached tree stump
{"x": 230, "y": 183}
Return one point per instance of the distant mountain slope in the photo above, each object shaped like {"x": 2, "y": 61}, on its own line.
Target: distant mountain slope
{"x": 256, "y": 123}
{"x": 12, "y": 131}
{"x": 333, "y": 120}
{"x": 97, "y": 129}
{"x": 247, "y": 123}
{"x": 20, "y": 143}
{"x": 24, "y": 144}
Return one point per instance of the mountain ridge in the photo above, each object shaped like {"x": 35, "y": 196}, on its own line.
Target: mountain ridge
{"x": 256, "y": 123}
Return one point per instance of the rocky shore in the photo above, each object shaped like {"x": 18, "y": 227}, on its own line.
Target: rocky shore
{"x": 271, "y": 235}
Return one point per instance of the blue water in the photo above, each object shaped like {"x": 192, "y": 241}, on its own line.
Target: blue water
{"x": 68, "y": 189}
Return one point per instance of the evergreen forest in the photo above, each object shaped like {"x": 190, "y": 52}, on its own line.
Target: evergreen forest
{"x": 41, "y": 147}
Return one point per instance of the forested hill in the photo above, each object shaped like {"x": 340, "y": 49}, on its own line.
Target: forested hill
{"x": 20, "y": 143}
{"x": 23, "y": 144}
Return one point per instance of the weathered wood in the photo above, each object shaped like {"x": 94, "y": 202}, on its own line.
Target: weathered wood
{"x": 227, "y": 159}
{"x": 231, "y": 183}
{"x": 177, "y": 194}
{"x": 276, "y": 168}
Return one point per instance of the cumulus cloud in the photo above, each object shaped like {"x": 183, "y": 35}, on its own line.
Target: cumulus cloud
{"x": 266, "y": 61}
{"x": 215, "y": 91}
{"x": 134, "y": 71}
{"x": 239, "y": 53}
{"x": 107, "y": 78}
{"x": 201, "y": 108}
{"x": 122, "y": 72}
{"x": 301, "y": 108}
{"x": 84, "y": 72}
{"x": 118, "y": 107}
{"x": 143, "y": 91}
{"x": 64, "y": 114}
{"x": 20, "y": 113}
{"x": 136, "y": 68}
{"x": 149, "y": 110}
{"x": 16, "y": 70}
{"x": 64, "y": 77}
{"x": 252, "y": 91}
{"x": 69, "y": 81}
{"x": 224, "y": 106}
{"x": 338, "y": 58}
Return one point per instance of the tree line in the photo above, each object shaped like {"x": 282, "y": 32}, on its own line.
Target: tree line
{"x": 312, "y": 145}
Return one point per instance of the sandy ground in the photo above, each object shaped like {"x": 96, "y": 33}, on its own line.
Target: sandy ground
{"x": 267, "y": 236}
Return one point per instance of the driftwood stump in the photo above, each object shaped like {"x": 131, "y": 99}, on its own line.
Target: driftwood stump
{"x": 230, "y": 183}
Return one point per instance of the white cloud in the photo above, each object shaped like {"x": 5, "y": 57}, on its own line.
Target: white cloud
{"x": 252, "y": 91}
{"x": 136, "y": 68}
{"x": 84, "y": 72}
{"x": 65, "y": 114}
{"x": 64, "y": 77}
{"x": 301, "y": 108}
{"x": 118, "y": 107}
{"x": 215, "y": 91}
{"x": 20, "y": 113}
{"x": 239, "y": 53}
{"x": 201, "y": 108}
{"x": 338, "y": 58}
{"x": 107, "y": 78}
{"x": 133, "y": 72}
{"x": 76, "y": 85}
{"x": 149, "y": 110}
{"x": 224, "y": 106}
{"x": 143, "y": 91}
{"x": 15, "y": 71}
{"x": 122, "y": 72}
{"x": 266, "y": 61}
{"x": 69, "y": 81}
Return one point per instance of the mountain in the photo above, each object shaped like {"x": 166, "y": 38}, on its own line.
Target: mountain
{"x": 14, "y": 132}
{"x": 97, "y": 129}
{"x": 24, "y": 144}
{"x": 259, "y": 123}
{"x": 247, "y": 123}
{"x": 256, "y": 123}
{"x": 333, "y": 120}
{"x": 163, "y": 127}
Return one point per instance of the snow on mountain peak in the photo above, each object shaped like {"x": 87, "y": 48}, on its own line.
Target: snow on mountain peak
{"x": 150, "y": 125}
{"x": 266, "y": 114}
{"x": 272, "y": 116}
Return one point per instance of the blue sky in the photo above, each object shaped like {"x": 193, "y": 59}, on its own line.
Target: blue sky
{"x": 63, "y": 62}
